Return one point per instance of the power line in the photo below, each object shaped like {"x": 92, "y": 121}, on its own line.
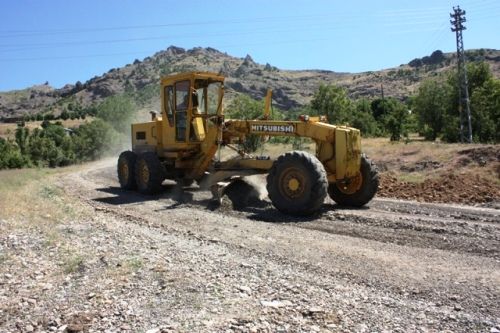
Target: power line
{"x": 22, "y": 33}
{"x": 27, "y": 47}
{"x": 392, "y": 20}
{"x": 72, "y": 57}
{"x": 34, "y": 46}
{"x": 397, "y": 14}
{"x": 295, "y": 41}
{"x": 433, "y": 42}
{"x": 411, "y": 12}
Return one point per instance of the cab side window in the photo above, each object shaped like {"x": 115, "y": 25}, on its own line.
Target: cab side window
{"x": 181, "y": 95}
{"x": 169, "y": 104}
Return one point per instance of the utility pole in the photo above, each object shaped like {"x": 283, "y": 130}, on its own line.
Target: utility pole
{"x": 458, "y": 18}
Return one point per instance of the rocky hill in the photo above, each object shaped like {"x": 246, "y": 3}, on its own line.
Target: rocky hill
{"x": 291, "y": 88}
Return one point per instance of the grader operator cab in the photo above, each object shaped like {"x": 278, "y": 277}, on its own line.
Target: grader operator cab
{"x": 183, "y": 142}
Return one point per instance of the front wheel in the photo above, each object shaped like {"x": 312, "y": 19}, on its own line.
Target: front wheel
{"x": 359, "y": 190}
{"x": 297, "y": 183}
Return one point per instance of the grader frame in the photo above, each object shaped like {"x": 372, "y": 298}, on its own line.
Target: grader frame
{"x": 183, "y": 142}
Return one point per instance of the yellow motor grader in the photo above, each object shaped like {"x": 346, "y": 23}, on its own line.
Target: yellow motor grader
{"x": 184, "y": 143}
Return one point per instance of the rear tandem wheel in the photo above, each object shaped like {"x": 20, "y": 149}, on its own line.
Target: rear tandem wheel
{"x": 149, "y": 173}
{"x": 126, "y": 170}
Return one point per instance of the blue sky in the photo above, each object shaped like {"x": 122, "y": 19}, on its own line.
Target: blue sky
{"x": 63, "y": 41}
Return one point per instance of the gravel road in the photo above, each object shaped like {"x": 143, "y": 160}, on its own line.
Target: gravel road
{"x": 175, "y": 263}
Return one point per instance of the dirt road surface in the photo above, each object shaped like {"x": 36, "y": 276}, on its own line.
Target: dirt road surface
{"x": 174, "y": 262}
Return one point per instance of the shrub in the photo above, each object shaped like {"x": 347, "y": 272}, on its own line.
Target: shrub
{"x": 10, "y": 156}
{"x": 64, "y": 115}
{"x": 94, "y": 139}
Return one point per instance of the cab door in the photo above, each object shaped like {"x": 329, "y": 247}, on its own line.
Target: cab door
{"x": 169, "y": 104}
{"x": 182, "y": 105}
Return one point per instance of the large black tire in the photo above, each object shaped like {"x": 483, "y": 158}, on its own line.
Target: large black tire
{"x": 297, "y": 183}
{"x": 149, "y": 173}
{"x": 126, "y": 170}
{"x": 365, "y": 193}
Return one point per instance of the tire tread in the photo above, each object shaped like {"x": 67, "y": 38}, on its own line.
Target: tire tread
{"x": 316, "y": 173}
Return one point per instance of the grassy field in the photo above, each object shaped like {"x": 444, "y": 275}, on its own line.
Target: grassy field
{"x": 28, "y": 192}
{"x": 419, "y": 160}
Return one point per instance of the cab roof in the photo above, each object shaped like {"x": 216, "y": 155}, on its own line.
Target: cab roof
{"x": 167, "y": 80}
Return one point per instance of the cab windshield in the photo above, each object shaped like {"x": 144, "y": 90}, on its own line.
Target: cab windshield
{"x": 206, "y": 98}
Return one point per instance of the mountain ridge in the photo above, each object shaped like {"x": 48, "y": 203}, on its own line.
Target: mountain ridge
{"x": 291, "y": 88}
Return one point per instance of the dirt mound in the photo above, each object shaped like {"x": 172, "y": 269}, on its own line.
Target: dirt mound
{"x": 464, "y": 189}
{"x": 480, "y": 155}
{"x": 421, "y": 166}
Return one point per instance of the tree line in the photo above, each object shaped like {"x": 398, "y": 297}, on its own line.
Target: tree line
{"x": 437, "y": 107}
{"x": 432, "y": 112}
{"x": 52, "y": 145}
{"x": 377, "y": 117}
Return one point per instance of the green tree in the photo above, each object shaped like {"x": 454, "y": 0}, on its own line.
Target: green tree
{"x": 48, "y": 116}
{"x": 478, "y": 73}
{"x": 64, "y": 115}
{"x": 51, "y": 146}
{"x": 430, "y": 106}
{"x": 380, "y": 107}
{"x": 91, "y": 111}
{"x": 10, "y": 156}
{"x": 332, "y": 101}
{"x": 482, "y": 100}
{"x": 244, "y": 107}
{"x": 43, "y": 151}
{"x": 362, "y": 118}
{"x": 396, "y": 122}
{"x": 363, "y": 105}
{"x": 485, "y": 105}
{"x": 117, "y": 111}
{"x": 22, "y": 138}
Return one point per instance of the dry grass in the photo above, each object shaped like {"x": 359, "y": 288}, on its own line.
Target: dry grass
{"x": 415, "y": 150}
{"x": 14, "y": 179}
{"x": 396, "y": 156}
{"x": 32, "y": 204}
{"x": 30, "y": 196}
